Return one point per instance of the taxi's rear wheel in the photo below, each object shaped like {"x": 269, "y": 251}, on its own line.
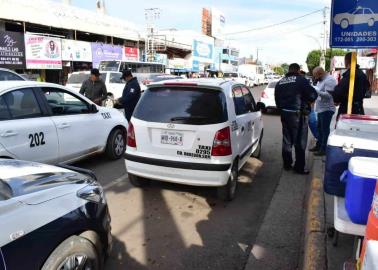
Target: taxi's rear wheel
{"x": 228, "y": 192}
{"x": 116, "y": 145}
{"x": 73, "y": 253}
{"x": 137, "y": 181}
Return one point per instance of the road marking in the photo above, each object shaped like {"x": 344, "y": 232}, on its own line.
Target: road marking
{"x": 115, "y": 182}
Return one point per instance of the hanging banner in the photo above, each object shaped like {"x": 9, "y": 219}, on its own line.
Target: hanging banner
{"x": 130, "y": 54}
{"x": 105, "y": 52}
{"x": 77, "y": 51}
{"x": 43, "y": 52}
{"x": 12, "y": 50}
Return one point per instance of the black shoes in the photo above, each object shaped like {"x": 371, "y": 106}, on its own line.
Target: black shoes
{"x": 302, "y": 172}
{"x": 314, "y": 149}
{"x": 320, "y": 153}
{"x": 288, "y": 168}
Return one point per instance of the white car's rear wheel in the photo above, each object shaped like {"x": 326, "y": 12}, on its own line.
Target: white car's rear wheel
{"x": 344, "y": 24}
{"x": 228, "y": 192}
{"x": 116, "y": 145}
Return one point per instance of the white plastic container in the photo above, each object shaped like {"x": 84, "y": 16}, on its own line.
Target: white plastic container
{"x": 371, "y": 256}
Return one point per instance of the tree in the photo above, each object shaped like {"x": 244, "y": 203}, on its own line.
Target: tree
{"x": 285, "y": 67}
{"x": 313, "y": 58}
{"x": 279, "y": 70}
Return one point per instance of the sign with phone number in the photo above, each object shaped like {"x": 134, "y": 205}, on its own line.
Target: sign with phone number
{"x": 354, "y": 24}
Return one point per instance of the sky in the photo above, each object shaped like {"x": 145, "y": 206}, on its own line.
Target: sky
{"x": 289, "y": 42}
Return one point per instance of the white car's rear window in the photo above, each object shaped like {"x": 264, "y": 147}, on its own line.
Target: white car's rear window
{"x": 182, "y": 105}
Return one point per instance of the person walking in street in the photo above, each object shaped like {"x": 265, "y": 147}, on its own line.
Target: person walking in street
{"x": 131, "y": 93}
{"x": 324, "y": 107}
{"x": 341, "y": 93}
{"x": 94, "y": 88}
{"x": 293, "y": 95}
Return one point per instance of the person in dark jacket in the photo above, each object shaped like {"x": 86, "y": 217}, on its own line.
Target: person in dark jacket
{"x": 294, "y": 95}
{"x": 131, "y": 93}
{"x": 341, "y": 92}
{"x": 94, "y": 88}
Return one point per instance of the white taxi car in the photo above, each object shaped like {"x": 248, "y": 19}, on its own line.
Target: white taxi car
{"x": 194, "y": 132}
{"x": 49, "y": 123}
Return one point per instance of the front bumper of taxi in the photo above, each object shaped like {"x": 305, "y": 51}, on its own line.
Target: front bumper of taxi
{"x": 187, "y": 173}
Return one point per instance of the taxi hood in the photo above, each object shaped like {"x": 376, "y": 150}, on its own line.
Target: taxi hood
{"x": 34, "y": 183}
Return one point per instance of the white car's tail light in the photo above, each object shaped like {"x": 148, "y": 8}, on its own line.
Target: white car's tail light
{"x": 222, "y": 143}
{"x": 131, "y": 141}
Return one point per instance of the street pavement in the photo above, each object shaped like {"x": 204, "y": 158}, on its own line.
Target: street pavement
{"x": 168, "y": 226}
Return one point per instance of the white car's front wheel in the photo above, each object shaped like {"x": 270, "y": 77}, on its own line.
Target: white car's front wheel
{"x": 116, "y": 145}
{"x": 371, "y": 22}
{"x": 344, "y": 23}
{"x": 227, "y": 192}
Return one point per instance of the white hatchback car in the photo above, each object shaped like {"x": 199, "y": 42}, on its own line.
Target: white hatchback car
{"x": 196, "y": 132}
{"x": 49, "y": 123}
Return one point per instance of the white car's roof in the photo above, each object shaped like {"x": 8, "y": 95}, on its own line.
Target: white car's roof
{"x": 6, "y": 85}
{"x": 205, "y": 82}
{"x": 10, "y": 168}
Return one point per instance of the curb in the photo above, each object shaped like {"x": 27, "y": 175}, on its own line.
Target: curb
{"x": 315, "y": 255}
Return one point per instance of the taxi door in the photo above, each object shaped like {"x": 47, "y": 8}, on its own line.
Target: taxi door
{"x": 26, "y": 131}
{"x": 80, "y": 132}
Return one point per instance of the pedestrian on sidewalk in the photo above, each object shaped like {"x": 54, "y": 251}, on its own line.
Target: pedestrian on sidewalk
{"x": 94, "y": 88}
{"x": 324, "y": 107}
{"x": 294, "y": 95}
{"x": 341, "y": 93}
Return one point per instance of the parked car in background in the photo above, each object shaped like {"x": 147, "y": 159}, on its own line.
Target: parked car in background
{"x": 153, "y": 78}
{"x": 237, "y": 77}
{"x": 52, "y": 218}
{"x": 201, "y": 134}
{"x": 10, "y": 75}
{"x": 114, "y": 83}
{"x": 268, "y": 97}
{"x": 49, "y": 123}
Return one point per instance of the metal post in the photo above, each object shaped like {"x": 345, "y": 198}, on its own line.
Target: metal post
{"x": 351, "y": 82}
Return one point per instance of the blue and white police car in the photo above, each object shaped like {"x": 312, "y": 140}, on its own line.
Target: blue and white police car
{"x": 51, "y": 218}
{"x": 49, "y": 123}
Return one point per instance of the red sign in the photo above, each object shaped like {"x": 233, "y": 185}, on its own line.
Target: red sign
{"x": 131, "y": 54}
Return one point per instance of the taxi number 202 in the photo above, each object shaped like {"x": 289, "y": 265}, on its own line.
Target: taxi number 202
{"x": 37, "y": 139}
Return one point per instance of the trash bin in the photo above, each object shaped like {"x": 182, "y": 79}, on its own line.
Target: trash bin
{"x": 360, "y": 181}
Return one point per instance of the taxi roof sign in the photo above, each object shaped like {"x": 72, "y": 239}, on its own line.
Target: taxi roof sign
{"x": 354, "y": 24}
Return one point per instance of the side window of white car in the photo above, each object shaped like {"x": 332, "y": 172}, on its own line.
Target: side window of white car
{"x": 8, "y": 76}
{"x": 64, "y": 103}
{"x": 116, "y": 78}
{"x": 249, "y": 101}
{"x": 239, "y": 102}
{"x": 4, "y": 111}
{"x": 22, "y": 104}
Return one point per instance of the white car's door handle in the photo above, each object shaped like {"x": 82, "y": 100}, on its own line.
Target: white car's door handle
{"x": 64, "y": 125}
{"x": 9, "y": 133}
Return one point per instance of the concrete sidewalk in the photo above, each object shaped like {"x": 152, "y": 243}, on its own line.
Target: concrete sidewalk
{"x": 279, "y": 241}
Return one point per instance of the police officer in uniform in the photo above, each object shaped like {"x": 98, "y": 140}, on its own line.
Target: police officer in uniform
{"x": 131, "y": 93}
{"x": 294, "y": 96}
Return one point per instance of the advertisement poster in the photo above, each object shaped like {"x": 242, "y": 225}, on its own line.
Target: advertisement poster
{"x": 105, "y": 52}
{"x": 203, "y": 51}
{"x": 354, "y": 24}
{"x": 43, "y": 52}
{"x": 12, "y": 50}
{"x": 130, "y": 54}
{"x": 78, "y": 51}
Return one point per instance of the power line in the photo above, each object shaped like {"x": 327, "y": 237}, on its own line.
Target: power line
{"x": 282, "y": 33}
{"x": 275, "y": 24}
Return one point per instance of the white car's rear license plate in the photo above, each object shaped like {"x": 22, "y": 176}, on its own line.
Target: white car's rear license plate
{"x": 172, "y": 138}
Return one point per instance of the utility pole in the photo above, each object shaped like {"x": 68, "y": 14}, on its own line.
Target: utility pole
{"x": 152, "y": 15}
{"x": 324, "y": 49}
